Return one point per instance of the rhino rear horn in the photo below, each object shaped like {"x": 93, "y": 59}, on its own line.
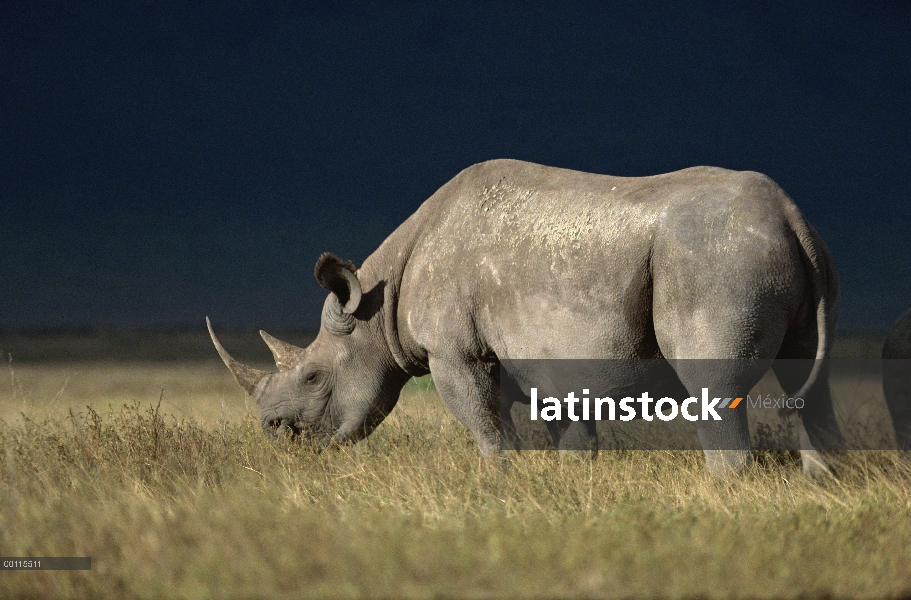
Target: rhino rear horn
{"x": 340, "y": 278}
{"x": 248, "y": 378}
{"x": 286, "y": 355}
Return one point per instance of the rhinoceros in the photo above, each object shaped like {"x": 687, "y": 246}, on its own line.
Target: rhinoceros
{"x": 512, "y": 260}
{"x": 897, "y": 379}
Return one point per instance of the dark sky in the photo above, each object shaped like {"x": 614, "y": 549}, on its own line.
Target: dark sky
{"x": 162, "y": 164}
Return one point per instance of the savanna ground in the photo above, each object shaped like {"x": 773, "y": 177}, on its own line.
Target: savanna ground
{"x": 145, "y": 456}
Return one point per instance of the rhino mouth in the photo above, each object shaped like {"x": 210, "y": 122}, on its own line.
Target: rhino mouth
{"x": 279, "y": 427}
{"x": 303, "y": 432}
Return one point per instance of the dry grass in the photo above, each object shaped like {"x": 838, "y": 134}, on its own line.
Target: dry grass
{"x": 190, "y": 500}
{"x": 202, "y": 391}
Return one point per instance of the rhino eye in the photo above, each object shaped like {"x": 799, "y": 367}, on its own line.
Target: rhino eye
{"x": 312, "y": 377}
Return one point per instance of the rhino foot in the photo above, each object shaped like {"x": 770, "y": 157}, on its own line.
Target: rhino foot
{"x": 723, "y": 463}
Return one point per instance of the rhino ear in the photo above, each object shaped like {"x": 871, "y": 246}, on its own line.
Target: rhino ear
{"x": 339, "y": 277}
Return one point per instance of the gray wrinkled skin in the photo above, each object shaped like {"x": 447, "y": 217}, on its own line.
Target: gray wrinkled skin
{"x": 897, "y": 379}
{"x": 517, "y": 260}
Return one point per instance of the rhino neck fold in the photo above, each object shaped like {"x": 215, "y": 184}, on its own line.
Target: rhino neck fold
{"x": 407, "y": 362}
{"x": 388, "y": 263}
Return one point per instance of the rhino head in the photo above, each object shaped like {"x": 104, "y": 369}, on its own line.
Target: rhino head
{"x": 342, "y": 385}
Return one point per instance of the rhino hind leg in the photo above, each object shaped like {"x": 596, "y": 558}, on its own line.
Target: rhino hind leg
{"x": 726, "y": 440}
{"x": 819, "y": 435}
{"x": 726, "y": 443}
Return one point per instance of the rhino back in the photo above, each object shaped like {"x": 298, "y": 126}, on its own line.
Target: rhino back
{"x": 532, "y": 261}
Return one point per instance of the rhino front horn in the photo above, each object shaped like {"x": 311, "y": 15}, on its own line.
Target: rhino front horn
{"x": 286, "y": 355}
{"x": 248, "y": 378}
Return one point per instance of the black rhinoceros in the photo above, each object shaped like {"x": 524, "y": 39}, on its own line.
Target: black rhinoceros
{"x": 897, "y": 379}
{"x": 513, "y": 260}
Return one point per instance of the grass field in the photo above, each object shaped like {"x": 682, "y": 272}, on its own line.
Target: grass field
{"x": 158, "y": 470}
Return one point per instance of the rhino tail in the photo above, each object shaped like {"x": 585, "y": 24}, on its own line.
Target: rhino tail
{"x": 824, "y": 279}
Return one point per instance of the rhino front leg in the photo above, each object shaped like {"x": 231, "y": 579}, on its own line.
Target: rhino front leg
{"x": 470, "y": 391}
